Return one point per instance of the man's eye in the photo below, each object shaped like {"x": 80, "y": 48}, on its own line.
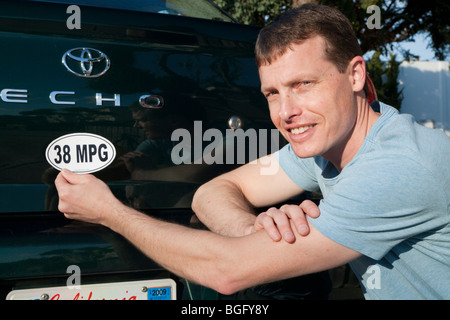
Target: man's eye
{"x": 302, "y": 85}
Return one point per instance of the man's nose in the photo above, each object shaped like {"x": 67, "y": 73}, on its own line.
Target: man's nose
{"x": 288, "y": 107}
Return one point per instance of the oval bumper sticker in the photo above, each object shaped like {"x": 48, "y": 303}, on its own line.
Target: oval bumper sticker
{"x": 80, "y": 152}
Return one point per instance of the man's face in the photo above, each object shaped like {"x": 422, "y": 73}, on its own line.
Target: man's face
{"x": 311, "y": 103}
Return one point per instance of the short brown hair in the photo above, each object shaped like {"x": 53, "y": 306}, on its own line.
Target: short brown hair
{"x": 303, "y": 23}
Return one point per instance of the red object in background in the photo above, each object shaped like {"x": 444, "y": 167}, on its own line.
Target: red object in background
{"x": 371, "y": 93}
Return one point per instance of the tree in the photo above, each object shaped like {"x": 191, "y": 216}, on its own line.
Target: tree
{"x": 254, "y": 12}
{"x": 384, "y": 77}
{"x": 400, "y": 19}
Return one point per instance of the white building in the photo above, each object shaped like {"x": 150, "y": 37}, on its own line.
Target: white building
{"x": 426, "y": 92}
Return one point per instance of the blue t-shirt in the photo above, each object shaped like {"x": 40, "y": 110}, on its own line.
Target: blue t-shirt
{"x": 391, "y": 204}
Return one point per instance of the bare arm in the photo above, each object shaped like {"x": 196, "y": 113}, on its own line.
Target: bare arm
{"x": 229, "y": 264}
{"x": 225, "y": 204}
{"x": 200, "y": 256}
{"x": 223, "y": 208}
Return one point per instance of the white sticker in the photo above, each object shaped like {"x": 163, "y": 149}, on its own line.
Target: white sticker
{"x": 80, "y": 152}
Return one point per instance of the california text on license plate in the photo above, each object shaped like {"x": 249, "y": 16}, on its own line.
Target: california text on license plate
{"x": 161, "y": 289}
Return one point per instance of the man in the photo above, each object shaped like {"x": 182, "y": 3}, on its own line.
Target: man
{"x": 385, "y": 182}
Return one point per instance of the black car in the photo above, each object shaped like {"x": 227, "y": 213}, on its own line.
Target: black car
{"x": 154, "y": 97}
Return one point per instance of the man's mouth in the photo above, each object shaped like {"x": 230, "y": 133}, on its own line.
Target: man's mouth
{"x": 300, "y": 130}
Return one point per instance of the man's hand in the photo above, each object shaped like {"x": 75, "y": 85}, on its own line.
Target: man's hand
{"x": 277, "y": 222}
{"x": 83, "y": 197}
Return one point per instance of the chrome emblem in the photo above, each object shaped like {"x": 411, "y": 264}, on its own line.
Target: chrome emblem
{"x": 86, "y": 62}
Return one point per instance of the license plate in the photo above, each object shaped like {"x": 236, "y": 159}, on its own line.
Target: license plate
{"x": 161, "y": 289}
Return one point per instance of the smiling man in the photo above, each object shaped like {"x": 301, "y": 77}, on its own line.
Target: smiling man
{"x": 385, "y": 182}
{"x": 334, "y": 124}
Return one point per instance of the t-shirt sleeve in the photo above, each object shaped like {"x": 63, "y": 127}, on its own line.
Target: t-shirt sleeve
{"x": 380, "y": 204}
{"x": 301, "y": 171}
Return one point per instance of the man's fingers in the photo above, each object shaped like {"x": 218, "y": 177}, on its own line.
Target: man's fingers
{"x": 65, "y": 183}
{"x": 62, "y": 183}
{"x": 277, "y": 222}
{"x": 296, "y": 214}
{"x": 74, "y": 178}
{"x": 310, "y": 208}
{"x": 278, "y": 225}
{"x": 264, "y": 221}
{"x": 299, "y": 214}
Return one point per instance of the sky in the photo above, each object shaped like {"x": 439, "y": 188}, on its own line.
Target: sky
{"x": 420, "y": 48}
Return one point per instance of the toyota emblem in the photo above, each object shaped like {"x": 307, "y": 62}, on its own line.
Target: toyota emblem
{"x": 86, "y": 62}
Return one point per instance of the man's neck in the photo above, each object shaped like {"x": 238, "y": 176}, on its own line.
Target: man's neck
{"x": 365, "y": 119}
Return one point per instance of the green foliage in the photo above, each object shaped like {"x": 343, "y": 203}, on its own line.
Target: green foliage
{"x": 400, "y": 20}
{"x": 384, "y": 77}
{"x": 254, "y": 12}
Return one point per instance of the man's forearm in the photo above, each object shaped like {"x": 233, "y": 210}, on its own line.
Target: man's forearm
{"x": 211, "y": 259}
{"x": 197, "y": 255}
{"x": 221, "y": 206}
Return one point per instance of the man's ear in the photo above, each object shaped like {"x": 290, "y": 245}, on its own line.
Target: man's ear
{"x": 358, "y": 73}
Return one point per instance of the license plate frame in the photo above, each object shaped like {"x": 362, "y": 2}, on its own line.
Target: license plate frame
{"x": 156, "y": 289}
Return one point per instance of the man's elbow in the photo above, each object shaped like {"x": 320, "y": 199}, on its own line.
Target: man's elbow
{"x": 196, "y": 200}
{"x": 226, "y": 289}
{"x": 200, "y": 200}
{"x": 227, "y": 282}
{"x": 223, "y": 273}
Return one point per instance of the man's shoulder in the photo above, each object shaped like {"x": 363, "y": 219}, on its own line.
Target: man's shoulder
{"x": 403, "y": 130}
{"x": 399, "y": 142}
